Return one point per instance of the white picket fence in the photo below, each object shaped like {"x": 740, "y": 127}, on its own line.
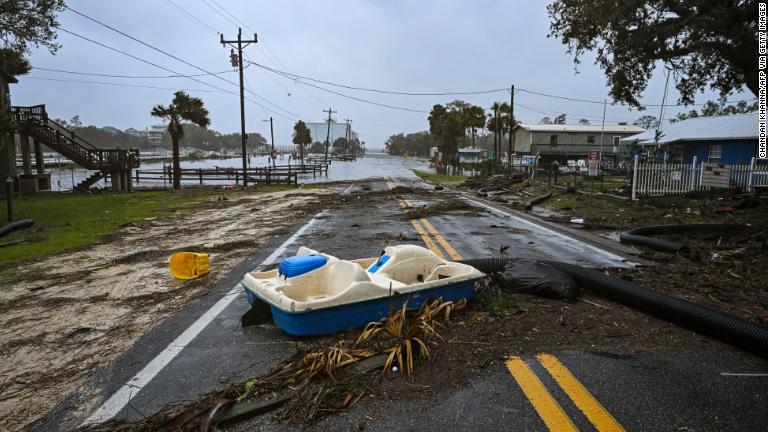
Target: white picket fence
{"x": 653, "y": 179}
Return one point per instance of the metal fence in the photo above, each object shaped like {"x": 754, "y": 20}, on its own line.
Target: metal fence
{"x": 653, "y": 179}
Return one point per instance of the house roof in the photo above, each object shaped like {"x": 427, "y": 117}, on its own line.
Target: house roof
{"x": 725, "y": 127}
{"x": 580, "y": 128}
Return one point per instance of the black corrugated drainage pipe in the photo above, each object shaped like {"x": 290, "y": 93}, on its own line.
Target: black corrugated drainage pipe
{"x": 725, "y": 327}
{"x": 532, "y": 202}
{"x": 640, "y": 235}
{"x": 13, "y": 226}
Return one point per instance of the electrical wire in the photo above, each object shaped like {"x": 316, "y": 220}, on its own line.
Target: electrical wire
{"x": 159, "y": 66}
{"x": 622, "y": 104}
{"x": 121, "y": 84}
{"x": 195, "y": 19}
{"x": 171, "y": 56}
{"x": 127, "y": 76}
{"x": 295, "y": 77}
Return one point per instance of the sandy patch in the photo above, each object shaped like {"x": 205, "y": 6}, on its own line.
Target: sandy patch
{"x": 63, "y": 317}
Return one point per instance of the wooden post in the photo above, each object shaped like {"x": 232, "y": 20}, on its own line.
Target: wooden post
{"x": 237, "y": 178}
{"x": 751, "y": 175}
{"x": 39, "y": 162}
{"x": 25, "y": 157}
{"x": 200, "y": 174}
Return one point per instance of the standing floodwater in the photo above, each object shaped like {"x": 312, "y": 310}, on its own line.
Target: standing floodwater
{"x": 372, "y": 165}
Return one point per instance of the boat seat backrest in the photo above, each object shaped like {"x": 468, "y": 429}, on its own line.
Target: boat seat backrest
{"x": 342, "y": 274}
{"x": 408, "y": 269}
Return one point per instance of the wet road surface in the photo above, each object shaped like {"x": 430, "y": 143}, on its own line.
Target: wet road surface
{"x": 184, "y": 357}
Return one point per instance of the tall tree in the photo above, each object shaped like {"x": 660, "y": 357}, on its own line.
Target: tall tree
{"x": 646, "y": 122}
{"x": 448, "y": 125}
{"x": 29, "y": 22}
{"x": 584, "y": 122}
{"x": 705, "y": 42}
{"x": 474, "y": 118}
{"x": 559, "y": 119}
{"x": 182, "y": 108}
{"x": 545, "y": 120}
{"x": 301, "y": 137}
{"x": 14, "y": 62}
{"x": 712, "y": 108}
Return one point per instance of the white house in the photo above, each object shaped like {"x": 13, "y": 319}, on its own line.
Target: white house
{"x": 565, "y": 141}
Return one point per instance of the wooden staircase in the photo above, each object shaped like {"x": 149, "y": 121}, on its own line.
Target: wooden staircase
{"x": 34, "y": 122}
{"x": 85, "y": 185}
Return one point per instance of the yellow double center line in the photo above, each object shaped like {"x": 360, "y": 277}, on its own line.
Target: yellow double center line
{"x": 422, "y": 223}
{"x": 546, "y": 406}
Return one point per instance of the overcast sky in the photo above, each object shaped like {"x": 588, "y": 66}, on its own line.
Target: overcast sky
{"x": 413, "y": 46}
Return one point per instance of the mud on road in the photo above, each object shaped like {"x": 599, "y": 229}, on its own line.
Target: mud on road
{"x": 64, "y": 316}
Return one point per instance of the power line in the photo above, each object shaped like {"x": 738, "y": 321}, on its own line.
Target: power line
{"x": 622, "y": 104}
{"x": 365, "y": 100}
{"x": 167, "y": 54}
{"x": 400, "y": 93}
{"x": 274, "y": 58}
{"x": 555, "y": 113}
{"x": 160, "y": 67}
{"x": 127, "y": 76}
{"x": 120, "y": 84}
{"x": 195, "y": 19}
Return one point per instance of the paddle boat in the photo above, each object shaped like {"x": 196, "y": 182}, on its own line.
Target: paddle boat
{"x": 313, "y": 293}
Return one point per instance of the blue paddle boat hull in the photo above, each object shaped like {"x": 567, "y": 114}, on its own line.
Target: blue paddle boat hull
{"x": 357, "y": 315}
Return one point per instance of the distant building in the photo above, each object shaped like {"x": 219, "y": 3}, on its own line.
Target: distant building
{"x": 111, "y": 130}
{"x": 155, "y": 135}
{"x": 319, "y": 131}
{"x": 472, "y": 155}
{"x": 564, "y": 141}
{"x": 136, "y": 132}
{"x": 728, "y": 139}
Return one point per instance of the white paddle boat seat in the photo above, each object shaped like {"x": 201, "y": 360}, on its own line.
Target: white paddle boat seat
{"x": 400, "y": 269}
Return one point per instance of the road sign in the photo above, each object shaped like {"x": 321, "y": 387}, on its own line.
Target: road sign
{"x": 594, "y": 162}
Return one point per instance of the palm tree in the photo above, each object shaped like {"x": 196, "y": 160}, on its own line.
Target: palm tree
{"x": 301, "y": 137}
{"x": 183, "y": 107}
{"x": 475, "y": 117}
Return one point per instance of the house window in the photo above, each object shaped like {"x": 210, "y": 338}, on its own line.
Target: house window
{"x": 715, "y": 152}
{"x": 590, "y": 139}
{"x": 553, "y": 140}
{"x": 616, "y": 141}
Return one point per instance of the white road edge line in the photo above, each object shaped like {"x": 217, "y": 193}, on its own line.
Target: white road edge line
{"x": 551, "y": 231}
{"x": 122, "y": 397}
{"x": 737, "y": 374}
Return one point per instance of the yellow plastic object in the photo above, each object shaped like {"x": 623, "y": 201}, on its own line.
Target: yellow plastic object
{"x": 188, "y": 265}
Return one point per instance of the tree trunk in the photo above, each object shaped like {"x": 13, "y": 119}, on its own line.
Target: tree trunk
{"x": 176, "y": 164}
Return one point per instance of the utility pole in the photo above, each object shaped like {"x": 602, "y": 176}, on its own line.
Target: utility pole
{"x": 496, "y": 136}
{"x": 511, "y": 126}
{"x": 237, "y": 61}
{"x": 347, "y": 135}
{"x": 272, "y": 134}
{"x": 602, "y": 130}
{"x": 328, "y": 136}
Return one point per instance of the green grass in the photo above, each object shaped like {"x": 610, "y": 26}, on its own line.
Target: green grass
{"x": 496, "y": 304}
{"x": 439, "y": 178}
{"x": 72, "y": 221}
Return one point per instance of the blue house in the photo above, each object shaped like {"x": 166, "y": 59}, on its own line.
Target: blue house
{"x": 728, "y": 139}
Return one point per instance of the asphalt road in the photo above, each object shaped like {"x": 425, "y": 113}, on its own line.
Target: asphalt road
{"x": 203, "y": 347}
